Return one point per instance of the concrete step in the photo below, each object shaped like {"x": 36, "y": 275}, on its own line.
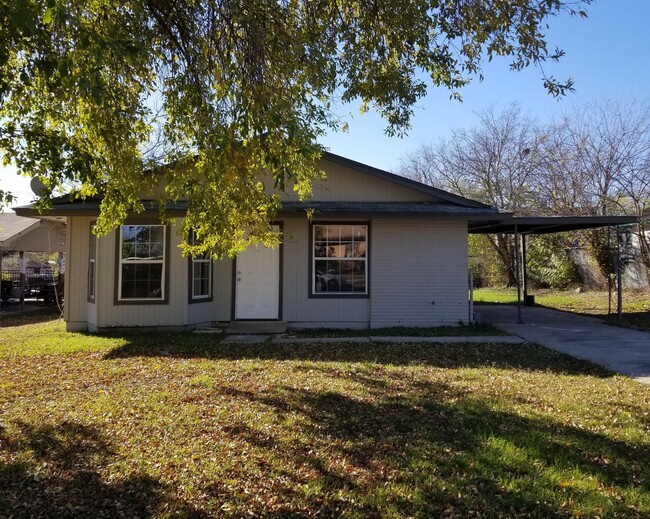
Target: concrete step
{"x": 256, "y": 327}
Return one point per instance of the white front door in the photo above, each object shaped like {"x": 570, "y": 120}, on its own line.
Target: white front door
{"x": 257, "y": 283}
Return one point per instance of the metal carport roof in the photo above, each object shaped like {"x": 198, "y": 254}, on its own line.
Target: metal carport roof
{"x": 547, "y": 224}
{"x": 527, "y": 225}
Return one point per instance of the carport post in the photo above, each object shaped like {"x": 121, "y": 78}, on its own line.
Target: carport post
{"x": 471, "y": 296}
{"x": 619, "y": 280}
{"x": 523, "y": 266}
{"x": 517, "y": 276}
{"x": 609, "y": 272}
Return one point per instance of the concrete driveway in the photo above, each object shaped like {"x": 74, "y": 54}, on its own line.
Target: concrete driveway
{"x": 619, "y": 349}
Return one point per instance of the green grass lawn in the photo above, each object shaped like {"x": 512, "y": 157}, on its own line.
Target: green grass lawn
{"x": 636, "y": 304}
{"x": 179, "y": 425}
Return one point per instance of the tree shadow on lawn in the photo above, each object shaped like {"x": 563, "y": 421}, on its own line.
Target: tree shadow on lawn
{"x": 436, "y": 451}
{"x": 427, "y": 450}
{"x": 635, "y": 320}
{"x": 527, "y": 357}
{"x": 60, "y": 471}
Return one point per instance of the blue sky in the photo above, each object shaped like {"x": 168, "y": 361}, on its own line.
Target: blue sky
{"x": 607, "y": 54}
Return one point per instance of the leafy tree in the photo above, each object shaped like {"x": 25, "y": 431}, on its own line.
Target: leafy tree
{"x": 548, "y": 262}
{"x": 101, "y": 94}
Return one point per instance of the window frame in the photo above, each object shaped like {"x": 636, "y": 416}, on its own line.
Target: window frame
{"x": 119, "y": 262}
{"x": 311, "y": 286}
{"x": 92, "y": 265}
{"x": 192, "y": 262}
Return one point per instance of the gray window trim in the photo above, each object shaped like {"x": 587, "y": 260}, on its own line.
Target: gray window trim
{"x": 191, "y": 298}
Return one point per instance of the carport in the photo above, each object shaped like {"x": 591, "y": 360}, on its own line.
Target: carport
{"x": 23, "y": 235}
{"x": 523, "y": 226}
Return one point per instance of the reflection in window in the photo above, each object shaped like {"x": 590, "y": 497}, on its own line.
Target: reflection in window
{"x": 340, "y": 262}
{"x": 142, "y": 262}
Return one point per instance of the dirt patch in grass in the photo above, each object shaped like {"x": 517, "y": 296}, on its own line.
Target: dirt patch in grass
{"x": 156, "y": 425}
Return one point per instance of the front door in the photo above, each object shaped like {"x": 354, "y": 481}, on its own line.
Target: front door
{"x": 257, "y": 283}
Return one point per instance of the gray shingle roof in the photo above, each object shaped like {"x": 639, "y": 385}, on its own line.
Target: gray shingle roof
{"x": 12, "y": 225}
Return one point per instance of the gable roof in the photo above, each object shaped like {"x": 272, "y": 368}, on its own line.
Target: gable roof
{"x": 399, "y": 180}
{"x": 450, "y": 204}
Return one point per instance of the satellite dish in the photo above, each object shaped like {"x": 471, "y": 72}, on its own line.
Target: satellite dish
{"x": 37, "y": 186}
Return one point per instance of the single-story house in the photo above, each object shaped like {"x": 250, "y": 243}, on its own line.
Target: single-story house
{"x": 380, "y": 250}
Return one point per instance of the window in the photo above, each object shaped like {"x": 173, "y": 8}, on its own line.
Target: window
{"x": 340, "y": 260}
{"x": 200, "y": 276}
{"x": 142, "y": 263}
{"x": 92, "y": 264}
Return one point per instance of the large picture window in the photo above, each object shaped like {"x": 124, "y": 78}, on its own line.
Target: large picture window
{"x": 200, "y": 276}
{"x": 340, "y": 264}
{"x": 142, "y": 263}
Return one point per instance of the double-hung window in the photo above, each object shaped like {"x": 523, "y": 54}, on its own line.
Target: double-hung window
{"x": 339, "y": 256}
{"x": 200, "y": 276}
{"x": 141, "y": 275}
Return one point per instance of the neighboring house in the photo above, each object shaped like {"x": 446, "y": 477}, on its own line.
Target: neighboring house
{"x": 380, "y": 250}
{"x": 18, "y": 233}
{"x": 24, "y": 235}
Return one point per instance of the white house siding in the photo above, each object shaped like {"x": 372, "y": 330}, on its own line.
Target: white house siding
{"x": 76, "y": 280}
{"x": 418, "y": 272}
{"x": 300, "y": 310}
{"x": 219, "y": 308}
{"x": 198, "y": 313}
{"x": 344, "y": 184}
{"x": 132, "y": 315}
{"x": 222, "y": 274}
{"x": 104, "y": 313}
